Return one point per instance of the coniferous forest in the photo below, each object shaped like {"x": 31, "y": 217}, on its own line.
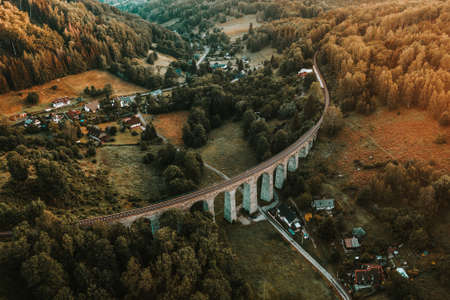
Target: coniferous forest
{"x": 43, "y": 40}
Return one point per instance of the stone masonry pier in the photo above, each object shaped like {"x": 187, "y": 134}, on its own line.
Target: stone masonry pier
{"x": 273, "y": 172}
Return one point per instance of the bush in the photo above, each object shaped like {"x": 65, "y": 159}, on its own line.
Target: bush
{"x": 444, "y": 120}
{"x": 440, "y": 139}
{"x": 149, "y": 158}
{"x": 333, "y": 121}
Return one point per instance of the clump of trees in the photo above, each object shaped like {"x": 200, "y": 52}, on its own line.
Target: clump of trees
{"x": 333, "y": 121}
{"x": 418, "y": 186}
{"x": 183, "y": 170}
{"x": 47, "y": 169}
{"x": 107, "y": 90}
{"x": 32, "y": 98}
{"x": 152, "y": 57}
{"x": 51, "y": 260}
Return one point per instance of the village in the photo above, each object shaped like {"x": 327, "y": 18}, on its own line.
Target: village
{"x": 97, "y": 121}
{"x": 363, "y": 275}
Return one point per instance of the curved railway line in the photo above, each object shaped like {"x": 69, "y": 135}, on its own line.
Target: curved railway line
{"x": 232, "y": 181}
{"x": 273, "y": 161}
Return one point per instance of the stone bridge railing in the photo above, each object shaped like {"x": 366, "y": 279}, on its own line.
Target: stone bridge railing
{"x": 280, "y": 164}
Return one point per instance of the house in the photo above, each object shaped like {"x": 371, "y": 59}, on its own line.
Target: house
{"x": 303, "y": 72}
{"x": 74, "y": 114}
{"x": 351, "y": 243}
{"x": 287, "y": 216}
{"x": 97, "y": 134}
{"x": 402, "y": 272}
{"x": 32, "y": 122}
{"x": 18, "y": 117}
{"x": 368, "y": 276}
{"x": 156, "y": 93}
{"x": 359, "y": 232}
{"x": 92, "y": 106}
{"x": 219, "y": 66}
{"x": 56, "y": 118}
{"x": 132, "y": 122}
{"x": 60, "y": 102}
{"x": 324, "y": 204}
{"x": 124, "y": 101}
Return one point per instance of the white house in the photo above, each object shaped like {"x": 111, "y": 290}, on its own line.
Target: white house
{"x": 92, "y": 106}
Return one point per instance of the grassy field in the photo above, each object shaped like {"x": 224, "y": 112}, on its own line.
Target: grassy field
{"x": 170, "y": 126}
{"x": 272, "y": 267}
{"x": 228, "y": 150}
{"x": 129, "y": 175}
{"x": 235, "y": 28}
{"x": 160, "y": 64}
{"x": 71, "y": 86}
{"x": 386, "y": 135}
{"x": 380, "y": 137}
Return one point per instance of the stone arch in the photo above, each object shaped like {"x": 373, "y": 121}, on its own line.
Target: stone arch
{"x": 201, "y": 205}
{"x": 303, "y": 151}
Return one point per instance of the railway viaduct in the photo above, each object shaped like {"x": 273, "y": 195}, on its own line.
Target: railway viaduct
{"x": 273, "y": 172}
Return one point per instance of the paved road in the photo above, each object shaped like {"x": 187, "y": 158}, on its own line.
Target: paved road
{"x": 334, "y": 283}
{"x": 203, "y": 56}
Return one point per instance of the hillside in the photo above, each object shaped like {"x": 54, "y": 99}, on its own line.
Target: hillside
{"x": 379, "y": 53}
{"x": 43, "y": 40}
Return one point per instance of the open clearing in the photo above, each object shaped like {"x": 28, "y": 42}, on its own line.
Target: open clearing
{"x": 160, "y": 65}
{"x": 228, "y": 150}
{"x": 272, "y": 267}
{"x": 378, "y": 138}
{"x": 71, "y": 86}
{"x": 238, "y": 27}
{"x": 131, "y": 178}
{"x": 387, "y": 135}
{"x": 171, "y": 126}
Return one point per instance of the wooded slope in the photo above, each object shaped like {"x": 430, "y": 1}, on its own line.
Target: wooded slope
{"x": 43, "y": 40}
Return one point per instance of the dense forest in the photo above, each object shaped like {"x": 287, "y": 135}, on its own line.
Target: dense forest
{"x": 393, "y": 54}
{"x": 47, "y": 168}
{"x": 43, "y": 40}
{"x": 381, "y": 53}
{"x": 189, "y": 17}
{"x": 185, "y": 259}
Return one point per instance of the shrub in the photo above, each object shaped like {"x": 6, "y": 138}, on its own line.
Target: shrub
{"x": 444, "y": 120}
{"x": 440, "y": 139}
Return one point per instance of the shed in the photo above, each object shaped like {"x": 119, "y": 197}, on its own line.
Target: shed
{"x": 323, "y": 204}
{"x": 359, "y": 232}
{"x": 351, "y": 243}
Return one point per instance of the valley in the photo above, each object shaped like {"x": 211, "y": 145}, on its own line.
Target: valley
{"x": 141, "y": 140}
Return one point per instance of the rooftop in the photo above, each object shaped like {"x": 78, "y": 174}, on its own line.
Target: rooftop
{"x": 323, "y": 204}
{"x": 285, "y": 211}
{"x": 351, "y": 243}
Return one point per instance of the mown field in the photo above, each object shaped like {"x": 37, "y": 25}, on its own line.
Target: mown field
{"x": 71, "y": 86}
{"x": 237, "y": 27}
{"x": 228, "y": 150}
{"x": 272, "y": 267}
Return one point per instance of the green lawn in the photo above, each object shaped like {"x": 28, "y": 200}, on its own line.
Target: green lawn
{"x": 228, "y": 150}
{"x": 272, "y": 267}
